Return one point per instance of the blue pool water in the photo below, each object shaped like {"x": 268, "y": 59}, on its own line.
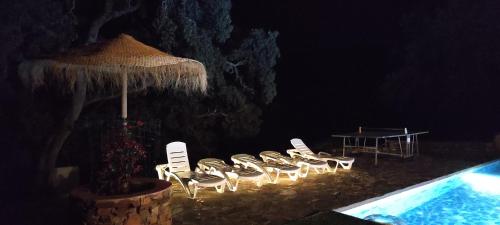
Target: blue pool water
{"x": 471, "y": 196}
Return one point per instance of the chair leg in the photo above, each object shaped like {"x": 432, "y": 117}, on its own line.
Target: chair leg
{"x": 304, "y": 174}
{"x": 334, "y": 170}
{"x": 293, "y": 176}
{"x": 195, "y": 190}
{"x": 161, "y": 174}
{"x": 193, "y": 186}
{"x": 276, "y": 179}
{"x": 220, "y": 188}
{"x": 235, "y": 186}
{"x": 318, "y": 171}
{"x": 185, "y": 185}
{"x": 346, "y": 165}
{"x": 268, "y": 175}
{"x": 230, "y": 186}
{"x": 259, "y": 182}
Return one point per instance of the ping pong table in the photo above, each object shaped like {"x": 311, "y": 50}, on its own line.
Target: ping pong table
{"x": 381, "y": 141}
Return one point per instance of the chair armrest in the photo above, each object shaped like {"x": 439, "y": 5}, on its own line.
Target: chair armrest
{"x": 161, "y": 169}
{"x": 293, "y": 153}
{"x": 267, "y": 159}
{"x": 198, "y": 170}
{"x": 324, "y": 153}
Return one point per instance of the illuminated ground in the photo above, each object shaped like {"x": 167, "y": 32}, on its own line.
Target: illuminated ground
{"x": 287, "y": 201}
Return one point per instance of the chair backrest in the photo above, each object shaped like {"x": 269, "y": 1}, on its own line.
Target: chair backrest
{"x": 218, "y": 164}
{"x": 277, "y": 156}
{"x": 272, "y": 154}
{"x": 245, "y": 158}
{"x": 300, "y": 146}
{"x": 177, "y": 157}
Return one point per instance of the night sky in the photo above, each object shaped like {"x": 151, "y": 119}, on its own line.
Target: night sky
{"x": 333, "y": 55}
{"x": 334, "y": 58}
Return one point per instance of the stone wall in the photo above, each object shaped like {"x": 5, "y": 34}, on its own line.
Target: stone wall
{"x": 147, "y": 208}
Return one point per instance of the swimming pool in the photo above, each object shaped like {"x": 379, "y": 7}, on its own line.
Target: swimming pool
{"x": 470, "y": 196}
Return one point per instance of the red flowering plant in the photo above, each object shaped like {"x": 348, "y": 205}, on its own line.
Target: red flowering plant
{"x": 121, "y": 156}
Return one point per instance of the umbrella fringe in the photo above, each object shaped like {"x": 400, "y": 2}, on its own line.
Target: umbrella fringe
{"x": 188, "y": 75}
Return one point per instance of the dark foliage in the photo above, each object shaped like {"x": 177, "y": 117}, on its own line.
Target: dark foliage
{"x": 240, "y": 70}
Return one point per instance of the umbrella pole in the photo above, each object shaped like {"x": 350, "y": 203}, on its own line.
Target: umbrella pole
{"x": 124, "y": 98}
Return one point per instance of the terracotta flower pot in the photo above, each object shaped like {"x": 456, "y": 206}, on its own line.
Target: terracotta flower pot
{"x": 150, "y": 206}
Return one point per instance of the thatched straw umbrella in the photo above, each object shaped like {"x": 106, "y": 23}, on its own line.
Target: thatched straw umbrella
{"x": 119, "y": 63}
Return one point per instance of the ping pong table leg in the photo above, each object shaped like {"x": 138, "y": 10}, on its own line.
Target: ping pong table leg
{"x": 416, "y": 145}
{"x": 413, "y": 145}
{"x": 408, "y": 145}
{"x": 400, "y": 147}
{"x": 376, "y": 151}
{"x": 343, "y": 147}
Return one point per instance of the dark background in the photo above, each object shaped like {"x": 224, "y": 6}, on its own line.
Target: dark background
{"x": 425, "y": 65}
{"x": 335, "y": 56}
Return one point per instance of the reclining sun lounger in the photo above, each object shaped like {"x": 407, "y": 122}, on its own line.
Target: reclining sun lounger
{"x": 249, "y": 161}
{"x": 178, "y": 167}
{"x": 219, "y": 168}
{"x": 303, "y": 151}
{"x": 306, "y": 164}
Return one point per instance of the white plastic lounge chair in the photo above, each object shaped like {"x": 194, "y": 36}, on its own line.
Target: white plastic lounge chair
{"x": 219, "y": 168}
{"x": 301, "y": 150}
{"x": 178, "y": 167}
{"x": 249, "y": 161}
{"x": 317, "y": 165}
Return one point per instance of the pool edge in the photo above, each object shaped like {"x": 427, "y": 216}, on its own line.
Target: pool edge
{"x": 418, "y": 185}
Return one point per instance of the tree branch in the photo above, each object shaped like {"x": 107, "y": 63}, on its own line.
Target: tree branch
{"x": 107, "y": 15}
{"x": 130, "y": 8}
{"x": 212, "y": 114}
{"x": 72, "y": 10}
{"x": 232, "y": 68}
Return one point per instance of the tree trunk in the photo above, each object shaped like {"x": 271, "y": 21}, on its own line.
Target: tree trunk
{"x": 107, "y": 15}
{"x": 99, "y": 22}
{"x": 47, "y": 161}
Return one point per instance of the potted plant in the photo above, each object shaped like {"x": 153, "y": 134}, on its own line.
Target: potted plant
{"x": 120, "y": 157}
{"x": 116, "y": 196}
